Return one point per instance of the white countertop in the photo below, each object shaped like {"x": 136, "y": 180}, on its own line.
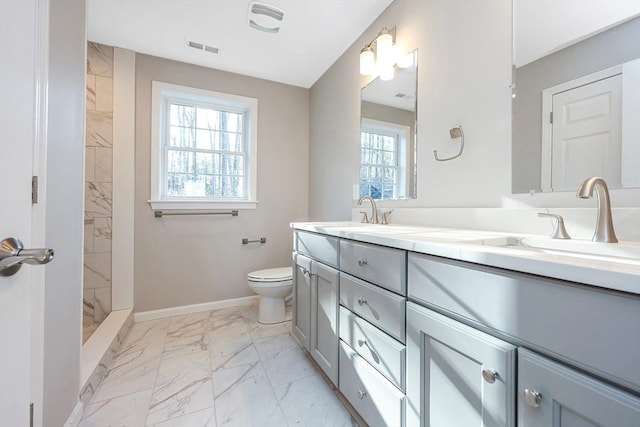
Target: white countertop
{"x": 622, "y": 274}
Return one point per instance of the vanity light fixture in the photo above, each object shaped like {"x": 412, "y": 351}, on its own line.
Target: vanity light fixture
{"x": 380, "y": 56}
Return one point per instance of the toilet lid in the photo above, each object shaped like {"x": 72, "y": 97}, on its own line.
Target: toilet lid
{"x": 271, "y": 275}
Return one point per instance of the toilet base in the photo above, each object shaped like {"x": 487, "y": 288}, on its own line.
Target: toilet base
{"x": 271, "y": 310}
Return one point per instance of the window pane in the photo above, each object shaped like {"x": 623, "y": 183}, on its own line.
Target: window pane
{"x": 182, "y": 115}
{"x": 208, "y": 119}
{"x": 231, "y": 165}
{"x": 204, "y": 163}
{"x": 364, "y": 155}
{"x": 181, "y": 161}
{"x": 231, "y": 186}
{"x": 181, "y": 137}
{"x": 389, "y": 143}
{"x": 233, "y": 141}
{"x": 231, "y": 122}
{"x": 207, "y": 140}
{"x": 389, "y": 158}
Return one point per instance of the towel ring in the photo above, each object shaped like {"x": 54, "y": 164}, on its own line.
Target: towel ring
{"x": 455, "y": 132}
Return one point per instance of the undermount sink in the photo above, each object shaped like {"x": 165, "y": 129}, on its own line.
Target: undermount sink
{"x": 627, "y": 253}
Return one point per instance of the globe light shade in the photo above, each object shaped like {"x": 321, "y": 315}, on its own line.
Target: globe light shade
{"x": 367, "y": 61}
{"x": 384, "y": 49}
{"x": 387, "y": 72}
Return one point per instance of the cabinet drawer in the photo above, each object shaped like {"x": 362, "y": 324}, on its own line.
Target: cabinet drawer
{"x": 322, "y": 248}
{"x": 376, "y": 264}
{"x": 568, "y": 397}
{"x": 592, "y": 328}
{"x": 379, "y": 349}
{"x": 383, "y": 309}
{"x": 378, "y": 401}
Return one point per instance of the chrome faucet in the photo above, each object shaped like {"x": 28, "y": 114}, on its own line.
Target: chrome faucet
{"x": 604, "y": 224}
{"x": 374, "y": 209}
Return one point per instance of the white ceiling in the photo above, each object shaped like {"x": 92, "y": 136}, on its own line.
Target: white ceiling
{"x": 313, "y": 34}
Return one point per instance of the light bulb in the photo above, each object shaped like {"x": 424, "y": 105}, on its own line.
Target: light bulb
{"x": 367, "y": 61}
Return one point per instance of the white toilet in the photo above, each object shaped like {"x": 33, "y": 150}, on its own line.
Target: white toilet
{"x": 273, "y": 285}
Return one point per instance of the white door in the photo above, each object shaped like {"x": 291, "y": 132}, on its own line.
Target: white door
{"x": 17, "y": 136}
{"x": 586, "y": 134}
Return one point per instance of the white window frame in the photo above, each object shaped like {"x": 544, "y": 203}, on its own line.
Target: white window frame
{"x": 401, "y": 135}
{"x": 165, "y": 93}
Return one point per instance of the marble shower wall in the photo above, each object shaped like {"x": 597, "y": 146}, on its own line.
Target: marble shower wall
{"x": 98, "y": 184}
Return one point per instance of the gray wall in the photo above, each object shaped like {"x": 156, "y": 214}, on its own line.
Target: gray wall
{"x": 64, "y": 222}
{"x": 197, "y": 259}
{"x": 464, "y": 73}
{"x": 607, "y": 49}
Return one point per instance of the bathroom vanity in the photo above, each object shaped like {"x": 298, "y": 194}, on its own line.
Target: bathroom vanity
{"x": 424, "y": 326}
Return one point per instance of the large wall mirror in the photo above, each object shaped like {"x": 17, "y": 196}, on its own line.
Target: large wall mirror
{"x": 388, "y": 130}
{"x": 577, "y": 94}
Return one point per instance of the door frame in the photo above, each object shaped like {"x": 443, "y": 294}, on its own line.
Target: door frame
{"x": 547, "y": 109}
{"x": 38, "y": 219}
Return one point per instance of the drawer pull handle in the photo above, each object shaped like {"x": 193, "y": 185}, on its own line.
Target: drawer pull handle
{"x": 362, "y": 301}
{"x": 362, "y": 342}
{"x": 362, "y": 394}
{"x": 532, "y": 397}
{"x": 489, "y": 375}
{"x": 362, "y": 262}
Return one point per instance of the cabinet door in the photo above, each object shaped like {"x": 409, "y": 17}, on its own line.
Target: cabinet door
{"x": 459, "y": 376}
{"x": 324, "y": 318}
{"x": 301, "y": 321}
{"x": 550, "y": 394}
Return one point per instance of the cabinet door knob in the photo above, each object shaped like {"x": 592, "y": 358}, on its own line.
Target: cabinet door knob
{"x": 532, "y": 397}
{"x": 362, "y": 301}
{"x": 362, "y": 394}
{"x": 489, "y": 375}
{"x": 362, "y": 262}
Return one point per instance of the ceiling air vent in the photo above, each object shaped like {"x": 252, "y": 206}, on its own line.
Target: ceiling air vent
{"x": 265, "y": 17}
{"x": 202, "y": 46}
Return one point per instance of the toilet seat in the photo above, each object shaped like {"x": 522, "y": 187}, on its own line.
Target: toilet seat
{"x": 281, "y": 274}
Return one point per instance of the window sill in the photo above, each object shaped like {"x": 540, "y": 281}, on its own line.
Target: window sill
{"x": 187, "y": 205}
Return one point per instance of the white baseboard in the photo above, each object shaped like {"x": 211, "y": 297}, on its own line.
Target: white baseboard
{"x": 193, "y": 308}
{"x": 76, "y": 416}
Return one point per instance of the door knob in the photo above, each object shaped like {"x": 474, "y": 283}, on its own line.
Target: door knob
{"x": 13, "y": 255}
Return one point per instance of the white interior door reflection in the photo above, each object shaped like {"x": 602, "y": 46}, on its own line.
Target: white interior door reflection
{"x": 586, "y": 134}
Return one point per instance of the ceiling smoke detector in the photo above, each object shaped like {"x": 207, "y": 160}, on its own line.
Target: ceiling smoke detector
{"x": 265, "y": 17}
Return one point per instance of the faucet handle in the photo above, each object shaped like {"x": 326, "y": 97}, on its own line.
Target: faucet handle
{"x": 365, "y": 218}
{"x": 385, "y": 216}
{"x": 559, "y": 232}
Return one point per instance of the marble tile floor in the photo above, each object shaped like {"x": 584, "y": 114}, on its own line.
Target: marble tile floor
{"x": 213, "y": 369}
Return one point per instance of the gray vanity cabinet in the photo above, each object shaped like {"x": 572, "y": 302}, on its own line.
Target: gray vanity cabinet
{"x": 324, "y": 318}
{"x": 459, "y": 376}
{"x": 550, "y": 394}
{"x": 315, "y": 293}
{"x": 301, "y": 316}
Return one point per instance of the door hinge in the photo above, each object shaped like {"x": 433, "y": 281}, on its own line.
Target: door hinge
{"x": 34, "y": 190}
{"x": 551, "y": 117}
{"x": 31, "y": 415}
